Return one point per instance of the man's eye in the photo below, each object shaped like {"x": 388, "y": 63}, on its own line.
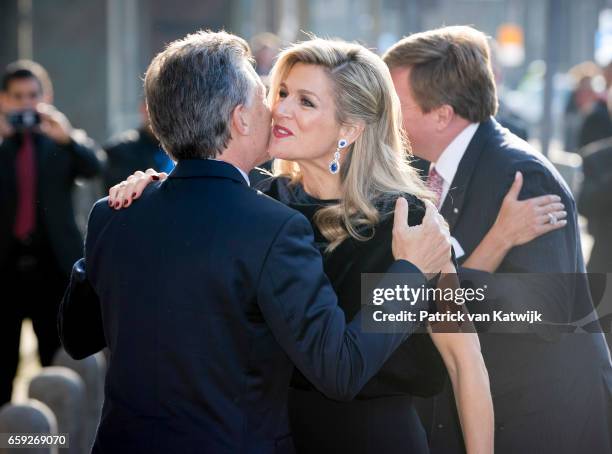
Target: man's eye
{"x": 282, "y": 94}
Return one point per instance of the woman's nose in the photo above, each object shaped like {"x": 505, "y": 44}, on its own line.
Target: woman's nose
{"x": 282, "y": 109}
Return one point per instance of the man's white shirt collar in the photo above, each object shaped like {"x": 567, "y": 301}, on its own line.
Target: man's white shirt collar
{"x": 448, "y": 162}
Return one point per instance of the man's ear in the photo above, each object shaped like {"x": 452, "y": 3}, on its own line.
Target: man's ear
{"x": 444, "y": 115}
{"x": 351, "y": 132}
{"x": 241, "y": 120}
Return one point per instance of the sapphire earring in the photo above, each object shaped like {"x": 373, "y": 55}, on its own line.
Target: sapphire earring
{"x": 334, "y": 166}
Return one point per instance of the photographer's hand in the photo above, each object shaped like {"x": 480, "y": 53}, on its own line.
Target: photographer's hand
{"x": 6, "y": 130}
{"x": 54, "y": 124}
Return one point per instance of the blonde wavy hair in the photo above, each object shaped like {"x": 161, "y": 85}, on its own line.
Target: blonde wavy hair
{"x": 377, "y": 164}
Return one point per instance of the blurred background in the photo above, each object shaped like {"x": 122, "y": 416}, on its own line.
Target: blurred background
{"x": 552, "y": 61}
{"x": 96, "y": 51}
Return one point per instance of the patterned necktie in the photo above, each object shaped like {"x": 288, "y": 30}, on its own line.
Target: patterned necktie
{"x": 25, "y": 171}
{"x": 435, "y": 183}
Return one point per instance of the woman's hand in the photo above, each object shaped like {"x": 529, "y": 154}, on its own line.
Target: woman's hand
{"x": 123, "y": 194}
{"x": 520, "y": 221}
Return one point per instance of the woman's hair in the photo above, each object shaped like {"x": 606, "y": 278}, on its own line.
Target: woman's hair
{"x": 376, "y": 165}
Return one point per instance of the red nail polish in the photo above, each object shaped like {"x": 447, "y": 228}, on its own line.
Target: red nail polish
{"x": 154, "y": 177}
{"x": 133, "y": 194}
{"x": 125, "y": 203}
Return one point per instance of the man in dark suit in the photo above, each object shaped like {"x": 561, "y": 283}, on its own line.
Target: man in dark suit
{"x": 40, "y": 158}
{"x": 552, "y": 393}
{"x": 206, "y": 291}
{"x": 595, "y": 203}
{"x": 133, "y": 150}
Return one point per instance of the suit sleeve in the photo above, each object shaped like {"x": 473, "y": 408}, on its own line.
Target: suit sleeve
{"x": 300, "y": 306}
{"x": 87, "y": 158}
{"x": 80, "y": 317}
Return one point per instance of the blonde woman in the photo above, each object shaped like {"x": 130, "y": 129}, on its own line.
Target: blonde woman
{"x": 341, "y": 161}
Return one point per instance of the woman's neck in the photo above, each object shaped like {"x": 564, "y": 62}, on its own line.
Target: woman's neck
{"x": 319, "y": 182}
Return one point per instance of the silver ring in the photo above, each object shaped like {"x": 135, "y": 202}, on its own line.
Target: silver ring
{"x": 552, "y": 219}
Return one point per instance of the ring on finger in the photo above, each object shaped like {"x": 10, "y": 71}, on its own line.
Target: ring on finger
{"x": 552, "y": 219}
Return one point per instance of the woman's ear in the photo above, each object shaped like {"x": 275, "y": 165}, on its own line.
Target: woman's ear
{"x": 351, "y": 132}
{"x": 240, "y": 120}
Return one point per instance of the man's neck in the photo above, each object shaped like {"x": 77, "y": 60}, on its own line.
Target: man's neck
{"x": 236, "y": 157}
{"x": 456, "y": 127}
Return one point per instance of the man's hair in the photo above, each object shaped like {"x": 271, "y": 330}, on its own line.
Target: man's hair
{"x": 452, "y": 66}
{"x": 27, "y": 69}
{"x": 192, "y": 88}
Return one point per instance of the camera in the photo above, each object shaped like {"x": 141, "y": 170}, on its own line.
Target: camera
{"x": 23, "y": 120}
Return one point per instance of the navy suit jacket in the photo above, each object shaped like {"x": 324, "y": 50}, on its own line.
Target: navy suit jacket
{"x": 206, "y": 291}
{"x": 538, "y": 375}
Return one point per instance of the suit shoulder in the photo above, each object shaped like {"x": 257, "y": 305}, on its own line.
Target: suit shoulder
{"x": 386, "y": 207}
{"x": 265, "y": 204}
{"x": 508, "y": 151}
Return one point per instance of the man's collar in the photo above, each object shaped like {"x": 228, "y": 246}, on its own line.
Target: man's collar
{"x": 242, "y": 172}
{"x": 194, "y": 168}
{"x": 449, "y": 160}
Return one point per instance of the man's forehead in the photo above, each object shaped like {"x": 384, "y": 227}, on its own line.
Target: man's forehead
{"x": 401, "y": 77}
{"x": 23, "y": 83}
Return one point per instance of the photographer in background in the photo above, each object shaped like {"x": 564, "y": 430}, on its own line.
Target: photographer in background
{"x": 133, "y": 150}
{"x": 41, "y": 155}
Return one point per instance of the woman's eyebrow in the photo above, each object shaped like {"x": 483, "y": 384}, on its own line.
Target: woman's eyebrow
{"x": 301, "y": 91}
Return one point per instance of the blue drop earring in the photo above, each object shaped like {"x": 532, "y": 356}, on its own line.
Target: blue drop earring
{"x": 334, "y": 166}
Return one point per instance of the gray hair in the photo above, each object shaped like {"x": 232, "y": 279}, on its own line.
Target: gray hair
{"x": 192, "y": 88}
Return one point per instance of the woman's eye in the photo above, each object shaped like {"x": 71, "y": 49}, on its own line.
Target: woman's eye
{"x": 282, "y": 94}
{"x": 307, "y": 103}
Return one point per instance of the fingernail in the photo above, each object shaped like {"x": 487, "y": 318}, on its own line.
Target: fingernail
{"x": 110, "y": 203}
{"x": 133, "y": 194}
{"x": 117, "y": 204}
{"x": 154, "y": 177}
{"x": 125, "y": 203}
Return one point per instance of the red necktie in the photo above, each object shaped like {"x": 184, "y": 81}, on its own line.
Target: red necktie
{"x": 435, "y": 183}
{"x": 25, "y": 170}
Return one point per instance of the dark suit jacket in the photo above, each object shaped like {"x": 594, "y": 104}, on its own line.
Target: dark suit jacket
{"x": 595, "y": 202}
{"x": 136, "y": 149}
{"x": 208, "y": 291}
{"x": 57, "y": 168}
{"x": 551, "y": 393}
{"x": 597, "y": 125}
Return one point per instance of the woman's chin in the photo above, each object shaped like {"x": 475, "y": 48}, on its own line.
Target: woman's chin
{"x": 278, "y": 153}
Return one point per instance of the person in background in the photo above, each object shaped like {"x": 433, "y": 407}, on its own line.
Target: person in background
{"x": 132, "y": 150}
{"x": 41, "y": 155}
{"x": 598, "y": 123}
{"x": 265, "y": 48}
{"x": 580, "y": 102}
{"x": 551, "y": 393}
{"x": 595, "y": 203}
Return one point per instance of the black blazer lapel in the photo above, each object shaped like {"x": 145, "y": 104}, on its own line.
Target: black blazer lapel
{"x": 452, "y": 207}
